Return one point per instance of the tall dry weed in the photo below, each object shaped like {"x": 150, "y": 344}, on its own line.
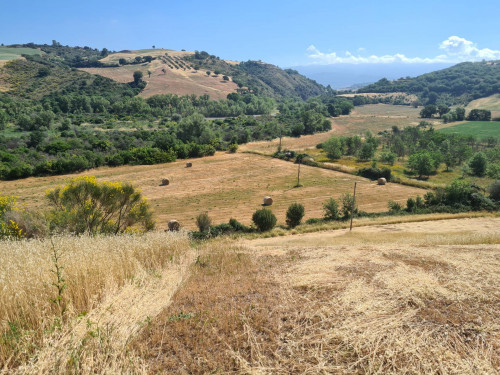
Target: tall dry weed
{"x": 46, "y": 283}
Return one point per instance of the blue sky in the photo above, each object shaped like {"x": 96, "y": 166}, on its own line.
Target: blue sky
{"x": 286, "y": 33}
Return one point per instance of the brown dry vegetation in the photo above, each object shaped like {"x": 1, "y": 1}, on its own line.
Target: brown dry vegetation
{"x": 349, "y": 307}
{"x": 398, "y": 299}
{"x": 228, "y": 185}
{"x": 174, "y": 81}
{"x": 102, "y": 287}
{"x": 491, "y": 102}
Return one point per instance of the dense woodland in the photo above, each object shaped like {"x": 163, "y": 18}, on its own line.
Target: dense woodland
{"x": 458, "y": 84}
{"x": 57, "y": 119}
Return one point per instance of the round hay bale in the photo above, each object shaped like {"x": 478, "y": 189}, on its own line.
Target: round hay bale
{"x": 173, "y": 225}
{"x": 165, "y": 181}
{"x": 268, "y": 201}
{"x": 381, "y": 181}
{"x": 189, "y": 164}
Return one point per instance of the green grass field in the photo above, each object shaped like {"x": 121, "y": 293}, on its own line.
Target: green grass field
{"x": 479, "y": 129}
{"x": 8, "y": 53}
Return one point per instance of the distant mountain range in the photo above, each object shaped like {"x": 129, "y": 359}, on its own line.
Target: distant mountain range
{"x": 353, "y": 76}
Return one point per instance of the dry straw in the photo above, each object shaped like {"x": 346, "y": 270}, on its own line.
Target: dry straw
{"x": 44, "y": 284}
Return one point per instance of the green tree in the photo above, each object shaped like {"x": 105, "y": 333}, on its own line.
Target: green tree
{"x": 443, "y": 109}
{"x": 333, "y": 148}
{"x": 331, "y": 208}
{"x": 294, "y": 214}
{"x": 264, "y": 219}
{"x": 3, "y": 119}
{"x": 138, "y": 77}
{"x": 478, "y": 164}
{"x": 421, "y": 163}
{"x": 349, "y": 205}
{"x": 428, "y": 111}
{"x": 460, "y": 113}
{"x": 88, "y": 206}
{"x": 367, "y": 151}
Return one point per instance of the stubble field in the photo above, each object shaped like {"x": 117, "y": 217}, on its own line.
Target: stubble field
{"x": 228, "y": 185}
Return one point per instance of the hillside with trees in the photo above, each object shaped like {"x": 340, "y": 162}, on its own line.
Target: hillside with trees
{"x": 458, "y": 84}
{"x": 260, "y": 78}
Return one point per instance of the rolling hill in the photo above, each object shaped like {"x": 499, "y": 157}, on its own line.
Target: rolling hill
{"x": 164, "y": 71}
{"x": 460, "y": 83}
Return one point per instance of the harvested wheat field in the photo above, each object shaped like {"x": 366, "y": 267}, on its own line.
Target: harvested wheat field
{"x": 228, "y": 185}
{"x": 373, "y": 117}
{"x": 363, "y": 303}
{"x": 165, "y": 77}
{"x": 409, "y": 298}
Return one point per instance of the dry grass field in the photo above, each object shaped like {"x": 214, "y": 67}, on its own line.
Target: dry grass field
{"x": 409, "y": 298}
{"x": 178, "y": 81}
{"x": 491, "y": 102}
{"x": 373, "y": 117}
{"x": 228, "y": 185}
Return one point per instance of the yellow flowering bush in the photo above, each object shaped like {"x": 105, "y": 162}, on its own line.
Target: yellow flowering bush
{"x": 86, "y": 205}
{"x": 9, "y": 228}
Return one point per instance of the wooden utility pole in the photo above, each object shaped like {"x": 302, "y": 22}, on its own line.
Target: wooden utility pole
{"x": 353, "y": 205}
{"x": 298, "y": 176}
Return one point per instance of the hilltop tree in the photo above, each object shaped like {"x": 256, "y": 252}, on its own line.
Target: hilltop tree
{"x": 122, "y": 61}
{"x": 208, "y": 72}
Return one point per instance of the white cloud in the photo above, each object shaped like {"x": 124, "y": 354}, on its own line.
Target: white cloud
{"x": 455, "y": 50}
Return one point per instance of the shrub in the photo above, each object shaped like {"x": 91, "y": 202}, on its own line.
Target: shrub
{"x": 494, "y": 191}
{"x": 411, "y": 205}
{"x": 349, "y": 206}
{"x": 294, "y": 214}
{"x": 203, "y": 222}
{"x": 331, "y": 208}
{"x": 9, "y": 228}
{"x": 88, "y": 206}
{"x": 264, "y": 219}
{"x": 232, "y": 148}
{"x": 394, "y": 206}
{"x": 374, "y": 173}
{"x": 313, "y": 220}
{"x": 237, "y": 226}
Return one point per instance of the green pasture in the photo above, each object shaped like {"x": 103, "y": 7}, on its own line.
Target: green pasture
{"x": 479, "y": 129}
{"x": 9, "y": 53}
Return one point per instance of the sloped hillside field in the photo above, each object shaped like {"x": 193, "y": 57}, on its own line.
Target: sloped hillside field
{"x": 394, "y": 299}
{"x": 229, "y": 186}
